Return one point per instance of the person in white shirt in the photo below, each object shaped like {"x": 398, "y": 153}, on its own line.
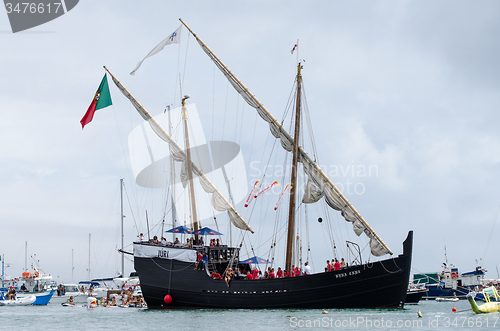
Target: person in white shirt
{"x": 307, "y": 269}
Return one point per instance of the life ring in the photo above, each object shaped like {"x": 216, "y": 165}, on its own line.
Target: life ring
{"x": 35, "y": 274}
{"x": 26, "y": 274}
{"x": 454, "y": 275}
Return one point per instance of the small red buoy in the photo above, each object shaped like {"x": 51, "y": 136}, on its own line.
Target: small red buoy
{"x": 168, "y": 299}
{"x": 453, "y": 309}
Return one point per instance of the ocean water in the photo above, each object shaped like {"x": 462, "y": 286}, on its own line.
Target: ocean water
{"x": 436, "y": 316}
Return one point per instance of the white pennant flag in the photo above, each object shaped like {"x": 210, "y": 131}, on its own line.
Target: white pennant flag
{"x": 174, "y": 38}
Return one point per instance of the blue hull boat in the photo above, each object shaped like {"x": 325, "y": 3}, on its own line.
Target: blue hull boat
{"x": 42, "y": 298}
{"x": 440, "y": 291}
{"x": 450, "y": 283}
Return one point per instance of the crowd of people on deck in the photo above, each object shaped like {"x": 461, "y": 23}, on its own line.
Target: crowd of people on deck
{"x": 190, "y": 242}
{"x": 270, "y": 273}
{"x": 254, "y": 273}
{"x": 335, "y": 265}
{"x": 215, "y": 243}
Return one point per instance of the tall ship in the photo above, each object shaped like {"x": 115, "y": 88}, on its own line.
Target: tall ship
{"x": 169, "y": 273}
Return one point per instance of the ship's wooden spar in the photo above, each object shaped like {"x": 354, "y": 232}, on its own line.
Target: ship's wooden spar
{"x": 190, "y": 168}
{"x": 207, "y": 185}
{"x": 286, "y": 139}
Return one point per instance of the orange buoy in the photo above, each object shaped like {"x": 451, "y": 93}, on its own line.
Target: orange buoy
{"x": 168, "y": 299}
{"x": 454, "y": 309}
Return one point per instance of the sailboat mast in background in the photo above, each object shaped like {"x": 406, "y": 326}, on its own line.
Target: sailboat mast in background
{"x": 121, "y": 209}
{"x": 90, "y": 236}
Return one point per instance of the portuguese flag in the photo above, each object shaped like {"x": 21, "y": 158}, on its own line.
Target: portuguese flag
{"x": 102, "y": 99}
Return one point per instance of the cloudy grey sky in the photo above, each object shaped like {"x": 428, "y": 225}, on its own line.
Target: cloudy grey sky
{"x": 409, "y": 88}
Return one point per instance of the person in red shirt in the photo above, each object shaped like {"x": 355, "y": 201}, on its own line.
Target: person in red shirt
{"x": 271, "y": 274}
{"x": 255, "y": 273}
{"x": 292, "y": 271}
{"x": 199, "y": 258}
{"x": 297, "y": 271}
{"x": 336, "y": 265}
{"x": 286, "y": 274}
{"x": 249, "y": 276}
{"x": 279, "y": 273}
{"x": 328, "y": 266}
{"x": 216, "y": 275}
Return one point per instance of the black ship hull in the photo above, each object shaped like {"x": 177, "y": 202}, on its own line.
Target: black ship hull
{"x": 381, "y": 284}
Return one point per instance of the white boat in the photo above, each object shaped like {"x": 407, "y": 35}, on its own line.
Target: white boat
{"x": 447, "y": 299}
{"x": 98, "y": 289}
{"x": 36, "y": 285}
{"x": 31, "y": 284}
{"x": 24, "y": 301}
{"x": 69, "y": 290}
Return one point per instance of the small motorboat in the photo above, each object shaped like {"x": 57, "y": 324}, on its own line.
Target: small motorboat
{"x": 447, "y": 299}
{"x": 65, "y": 291}
{"x": 24, "y": 301}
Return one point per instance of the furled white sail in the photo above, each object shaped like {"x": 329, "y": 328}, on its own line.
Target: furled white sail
{"x": 322, "y": 186}
{"x": 151, "y": 160}
{"x": 219, "y": 202}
